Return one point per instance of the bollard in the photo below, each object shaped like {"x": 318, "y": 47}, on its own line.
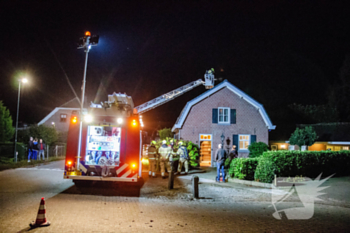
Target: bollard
{"x": 171, "y": 180}
{"x": 195, "y": 181}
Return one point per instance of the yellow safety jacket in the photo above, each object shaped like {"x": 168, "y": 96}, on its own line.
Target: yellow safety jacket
{"x": 152, "y": 153}
{"x": 164, "y": 152}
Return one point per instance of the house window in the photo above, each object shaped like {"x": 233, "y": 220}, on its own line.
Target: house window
{"x": 244, "y": 142}
{"x": 337, "y": 148}
{"x": 345, "y": 148}
{"x": 224, "y": 115}
{"x": 63, "y": 118}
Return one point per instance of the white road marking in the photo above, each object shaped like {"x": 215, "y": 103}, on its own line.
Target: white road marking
{"x": 35, "y": 168}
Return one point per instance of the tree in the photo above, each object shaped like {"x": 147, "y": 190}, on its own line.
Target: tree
{"x": 165, "y": 133}
{"x": 48, "y": 134}
{"x": 338, "y": 95}
{"x": 306, "y": 136}
{"x": 6, "y": 129}
{"x": 257, "y": 148}
{"x": 316, "y": 113}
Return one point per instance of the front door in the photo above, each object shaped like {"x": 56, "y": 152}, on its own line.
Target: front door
{"x": 205, "y": 150}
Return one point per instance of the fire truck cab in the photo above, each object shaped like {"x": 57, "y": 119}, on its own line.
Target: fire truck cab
{"x": 110, "y": 144}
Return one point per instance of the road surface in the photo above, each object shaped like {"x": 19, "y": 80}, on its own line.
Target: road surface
{"x": 126, "y": 208}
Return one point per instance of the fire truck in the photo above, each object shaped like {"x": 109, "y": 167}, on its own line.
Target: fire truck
{"x": 111, "y": 138}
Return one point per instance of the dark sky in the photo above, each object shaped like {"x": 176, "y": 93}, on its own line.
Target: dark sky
{"x": 278, "y": 52}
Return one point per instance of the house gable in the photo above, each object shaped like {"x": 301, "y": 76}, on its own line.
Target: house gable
{"x": 225, "y": 84}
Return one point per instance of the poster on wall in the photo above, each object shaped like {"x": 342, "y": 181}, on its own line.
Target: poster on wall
{"x": 103, "y": 145}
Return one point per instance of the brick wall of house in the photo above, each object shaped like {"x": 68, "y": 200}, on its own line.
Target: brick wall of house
{"x": 56, "y": 118}
{"x": 248, "y": 120}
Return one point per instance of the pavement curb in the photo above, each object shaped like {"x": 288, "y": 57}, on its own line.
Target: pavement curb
{"x": 249, "y": 182}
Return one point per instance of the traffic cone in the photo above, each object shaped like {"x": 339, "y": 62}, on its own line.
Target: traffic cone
{"x": 41, "y": 220}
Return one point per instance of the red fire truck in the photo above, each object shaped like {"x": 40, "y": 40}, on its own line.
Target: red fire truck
{"x": 111, "y": 141}
{"x": 110, "y": 145}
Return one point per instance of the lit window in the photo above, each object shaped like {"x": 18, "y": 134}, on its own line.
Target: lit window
{"x": 337, "y": 148}
{"x": 63, "y": 118}
{"x": 224, "y": 115}
{"x": 345, "y": 148}
{"x": 244, "y": 142}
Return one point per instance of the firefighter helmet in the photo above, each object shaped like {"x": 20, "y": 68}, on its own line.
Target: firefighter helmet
{"x": 164, "y": 142}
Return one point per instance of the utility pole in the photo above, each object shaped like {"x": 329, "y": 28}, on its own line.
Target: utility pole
{"x": 84, "y": 43}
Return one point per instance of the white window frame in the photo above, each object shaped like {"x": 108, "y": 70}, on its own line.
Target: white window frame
{"x": 228, "y": 115}
{"x": 245, "y": 140}
{"x": 65, "y": 117}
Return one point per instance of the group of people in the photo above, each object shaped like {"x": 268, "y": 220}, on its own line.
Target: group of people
{"x": 174, "y": 161}
{"x": 221, "y": 157}
{"x": 35, "y": 149}
{"x": 169, "y": 159}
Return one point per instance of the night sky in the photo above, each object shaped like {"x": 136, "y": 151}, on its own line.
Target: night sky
{"x": 278, "y": 52}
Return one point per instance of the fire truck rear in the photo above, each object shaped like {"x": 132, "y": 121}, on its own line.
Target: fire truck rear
{"x": 110, "y": 145}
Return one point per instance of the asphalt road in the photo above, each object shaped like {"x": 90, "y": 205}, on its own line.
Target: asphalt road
{"x": 149, "y": 208}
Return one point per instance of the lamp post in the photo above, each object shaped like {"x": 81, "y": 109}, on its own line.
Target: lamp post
{"x": 84, "y": 43}
{"x": 22, "y": 80}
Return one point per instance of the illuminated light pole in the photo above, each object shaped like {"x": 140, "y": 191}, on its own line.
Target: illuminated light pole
{"x": 22, "y": 80}
{"x": 84, "y": 43}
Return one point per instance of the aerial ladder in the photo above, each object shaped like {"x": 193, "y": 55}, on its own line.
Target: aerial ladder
{"x": 208, "y": 83}
{"x": 124, "y": 101}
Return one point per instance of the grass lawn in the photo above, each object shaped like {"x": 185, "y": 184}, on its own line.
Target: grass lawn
{"x": 6, "y": 163}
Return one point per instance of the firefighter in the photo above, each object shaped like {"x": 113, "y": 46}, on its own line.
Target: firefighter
{"x": 164, "y": 152}
{"x": 153, "y": 159}
{"x": 183, "y": 154}
{"x": 173, "y": 159}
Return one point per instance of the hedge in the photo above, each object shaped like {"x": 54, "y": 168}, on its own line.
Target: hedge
{"x": 7, "y": 150}
{"x": 305, "y": 163}
{"x": 291, "y": 163}
{"x": 243, "y": 168}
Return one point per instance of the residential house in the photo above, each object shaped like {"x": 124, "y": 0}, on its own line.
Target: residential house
{"x": 223, "y": 111}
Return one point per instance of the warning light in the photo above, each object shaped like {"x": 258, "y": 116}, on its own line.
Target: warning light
{"x": 87, "y": 33}
{"x": 69, "y": 162}
{"x": 134, "y": 123}
{"x": 133, "y": 165}
{"x": 74, "y": 120}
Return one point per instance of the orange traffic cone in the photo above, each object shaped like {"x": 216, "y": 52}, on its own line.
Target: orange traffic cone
{"x": 41, "y": 220}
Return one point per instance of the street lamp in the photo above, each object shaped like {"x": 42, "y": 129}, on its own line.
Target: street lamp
{"x": 84, "y": 43}
{"x": 22, "y": 80}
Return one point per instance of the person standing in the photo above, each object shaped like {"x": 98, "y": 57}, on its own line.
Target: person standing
{"x": 153, "y": 159}
{"x": 41, "y": 148}
{"x": 173, "y": 159}
{"x": 233, "y": 153}
{"x": 183, "y": 154}
{"x": 220, "y": 157}
{"x": 35, "y": 149}
{"x": 164, "y": 152}
{"x": 30, "y": 148}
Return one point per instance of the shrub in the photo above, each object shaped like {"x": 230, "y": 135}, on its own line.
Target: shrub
{"x": 7, "y": 150}
{"x": 257, "y": 148}
{"x": 243, "y": 168}
{"x": 305, "y": 163}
